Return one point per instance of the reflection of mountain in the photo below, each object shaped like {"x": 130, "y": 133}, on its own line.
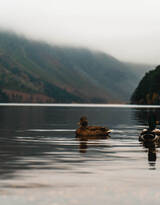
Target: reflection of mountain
{"x": 15, "y": 145}
{"x": 33, "y": 71}
{"x": 24, "y": 149}
{"x": 147, "y": 91}
{"x": 142, "y": 114}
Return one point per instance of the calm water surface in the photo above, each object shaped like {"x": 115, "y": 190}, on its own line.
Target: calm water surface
{"x": 42, "y": 162}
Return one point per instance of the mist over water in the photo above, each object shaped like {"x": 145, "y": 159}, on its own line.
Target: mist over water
{"x": 42, "y": 161}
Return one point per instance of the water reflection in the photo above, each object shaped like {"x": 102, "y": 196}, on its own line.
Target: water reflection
{"x": 145, "y": 115}
{"x": 23, "y": 150}
{"x": 44, "y": 139}
{"x": 148, "y": 117}
{"x": 83, "y": 141}
{"x": 19, "y": 153}
{"x": 40, "y": 155}
{"x": 152, "y": 153}
{"x": 152, "y": 156}
{"x": 83, "y": 145}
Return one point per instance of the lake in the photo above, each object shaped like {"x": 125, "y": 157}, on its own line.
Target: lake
{"x": 43, "y": 163}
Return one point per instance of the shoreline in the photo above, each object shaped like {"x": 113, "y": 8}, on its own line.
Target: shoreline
{"x": 78, "y": 105}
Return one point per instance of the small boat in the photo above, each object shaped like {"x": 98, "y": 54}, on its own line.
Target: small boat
{"x": 85, "y": 130}
{"x": 150, "y": 136}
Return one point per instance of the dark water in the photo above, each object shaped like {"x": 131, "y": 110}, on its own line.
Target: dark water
{"x": 42, "y": 162}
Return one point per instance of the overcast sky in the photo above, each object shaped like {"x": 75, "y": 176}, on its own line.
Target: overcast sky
{"x": 127, "y": 29}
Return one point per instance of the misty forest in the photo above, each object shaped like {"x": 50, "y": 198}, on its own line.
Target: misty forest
{"x": 36, "y": 72}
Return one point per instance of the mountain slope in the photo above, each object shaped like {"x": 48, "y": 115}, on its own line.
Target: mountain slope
{"x": 148, "y": 90}
{"x": 33, "y": 71}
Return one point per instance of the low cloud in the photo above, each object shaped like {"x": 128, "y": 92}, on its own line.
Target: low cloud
{"x": 127, "y": 29}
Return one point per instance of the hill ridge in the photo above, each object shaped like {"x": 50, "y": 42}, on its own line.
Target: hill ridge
{"x": 63, "y": 74}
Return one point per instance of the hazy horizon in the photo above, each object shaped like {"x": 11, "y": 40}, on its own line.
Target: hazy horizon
{"x": 127, "y": 30}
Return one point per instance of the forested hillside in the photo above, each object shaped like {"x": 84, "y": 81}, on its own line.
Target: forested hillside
{"x": 148, "y": 90}
{"x": 32, "y": 71}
